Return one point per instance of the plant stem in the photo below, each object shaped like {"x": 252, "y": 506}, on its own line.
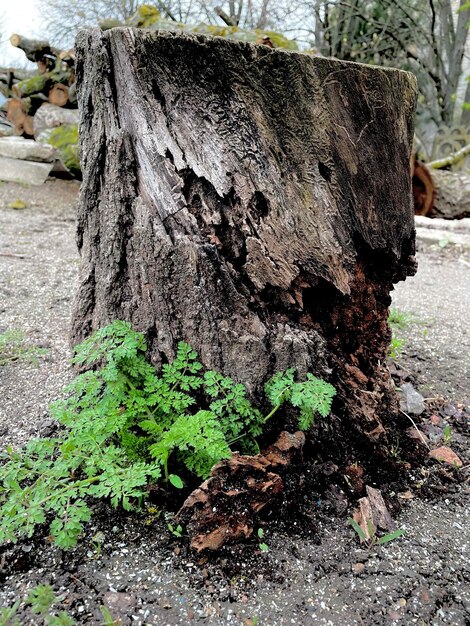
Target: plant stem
{"x": 269, "y": 415}
{"x": 85, "y": 481}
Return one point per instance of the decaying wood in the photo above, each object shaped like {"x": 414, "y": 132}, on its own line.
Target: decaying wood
{"x": 373, "y": 511}
{"x": 226, "y": 507}
{"x": 242, "y": 204}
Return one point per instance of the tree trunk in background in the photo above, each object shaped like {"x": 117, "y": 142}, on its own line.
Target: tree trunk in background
{"x": 253, "y": 202}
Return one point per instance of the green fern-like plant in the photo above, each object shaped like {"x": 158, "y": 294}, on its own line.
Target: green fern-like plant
{"x": 124, "y": 425}
{"x": 312, "y": 396}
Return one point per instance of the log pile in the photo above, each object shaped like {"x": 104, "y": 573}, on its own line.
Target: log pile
{"x": 52, "y": 84}
{"x": 440, "y": 192}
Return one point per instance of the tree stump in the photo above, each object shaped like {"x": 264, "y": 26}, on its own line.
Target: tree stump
{"x": 255, "y": 203}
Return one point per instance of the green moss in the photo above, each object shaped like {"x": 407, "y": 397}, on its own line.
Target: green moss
{"x": 148, "y": 16}
{"x": 110, "y": 23}
{"x": 31, "y": 85}
{"x": 65, "y": 139}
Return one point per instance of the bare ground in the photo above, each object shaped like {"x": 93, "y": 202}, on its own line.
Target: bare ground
{"x": 313, "y": 575}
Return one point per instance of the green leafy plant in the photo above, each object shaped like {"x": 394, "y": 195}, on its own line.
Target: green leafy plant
{"x": 125, "y": 426}
{"x": 398, "y": 321}
{"x": 13, "y": 347}
{"x": 8, "y": 615}
{"x": 108, "y": 618}
{"x": 396, "y": 347}
{"x": 311, "y": 396}
{"x": 447, "y": 435}
{"x": 176, "y": 531}
{"x": 371, "y": 539}
{"x": 262, "y": 546}
{"x": 41, "y": 599}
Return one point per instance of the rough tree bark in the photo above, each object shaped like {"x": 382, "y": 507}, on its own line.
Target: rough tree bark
{"x": 253, "y": 202}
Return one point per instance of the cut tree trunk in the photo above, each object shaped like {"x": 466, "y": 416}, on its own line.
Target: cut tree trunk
{"x": 59, "y": 95}
{"x": 50, "y": 116}
{"x": 236, "y": 197}
{"x": 452, "y": 199}
{"x": 424, "y": 189}
{"x": 34, "y": 49}
{"x": 17, "y": 113}
{"x": 27, "y": 150}
{"x": 440, "y": 193}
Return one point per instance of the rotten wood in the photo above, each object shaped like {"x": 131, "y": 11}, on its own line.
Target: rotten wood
{"x": 373, "y": 510}
{"x": 226, "y": 507}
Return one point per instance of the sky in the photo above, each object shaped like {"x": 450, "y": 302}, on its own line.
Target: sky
{"x": 22, "y": 17}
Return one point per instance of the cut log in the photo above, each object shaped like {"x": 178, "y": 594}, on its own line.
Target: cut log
{"x": 26, "y": 87}
{"x": 242, "y": 204}
{"x": 16, "y": 114}
{"x": 28, "y": 126}
{"x": 452, "y": 199}
{"x": 34, "y": 49}
{"x": 50, "y": 116}
{"x": 27, "y": 150}
{"x": 59, "y": 95}
{"x": 26, "y": 172}
{"x": 424, "y": 191}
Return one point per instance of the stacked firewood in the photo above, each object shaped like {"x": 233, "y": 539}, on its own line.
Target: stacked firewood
{"x": 51, "y": 88}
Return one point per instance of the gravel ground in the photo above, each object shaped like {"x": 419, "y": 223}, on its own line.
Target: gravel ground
{"x": 319, "y": 576}
{"x": 437, "y": 299}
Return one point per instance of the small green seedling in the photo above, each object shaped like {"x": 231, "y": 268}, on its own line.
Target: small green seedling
{"x": 8, "y": 615}
{"x": 108, "y": 618}
{"x": 371, "y": 539}
{"x": 13, "y": 348}
{"x": 97, "y": 542}
{"x": 447, "y": 434}
{"x": 176, "y": 481}
{"x": 262, "y": 546}
{"x": 176, "y": 531}
{"x": 41, "y": 599}
{"x": 399, "y": 320}
{"x": 396, "y": 347}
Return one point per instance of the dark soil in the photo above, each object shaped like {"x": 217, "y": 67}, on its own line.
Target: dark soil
{"x": 315, "y": 571}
